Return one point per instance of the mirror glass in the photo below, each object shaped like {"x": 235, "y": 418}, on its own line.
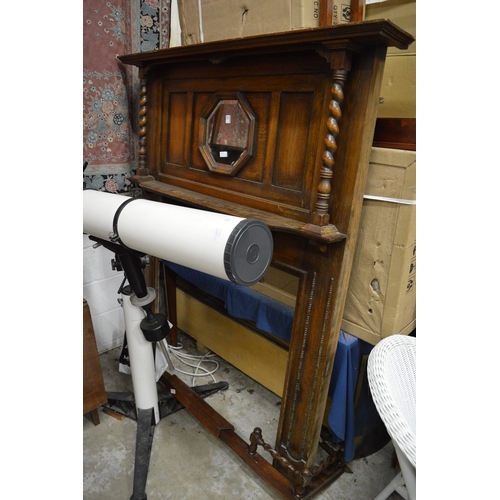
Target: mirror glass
{"x": 227, "y": 132}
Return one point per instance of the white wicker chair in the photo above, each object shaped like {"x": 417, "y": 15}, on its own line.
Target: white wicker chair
{"x": 392, "y": 380}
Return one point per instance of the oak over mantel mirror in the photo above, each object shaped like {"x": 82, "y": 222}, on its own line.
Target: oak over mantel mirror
{"x": 227, "y": 130}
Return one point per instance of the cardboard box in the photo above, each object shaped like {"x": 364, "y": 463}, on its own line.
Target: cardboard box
{"x": 398, "y": 92}
{"x": 210, "y": 20}
{"x": 403, "y": 13}
{"x": 381, "y": 297}
{"x": 341, "y": 11}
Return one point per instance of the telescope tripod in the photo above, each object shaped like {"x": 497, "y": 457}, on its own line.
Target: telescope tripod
{"x": 144, "y": 329}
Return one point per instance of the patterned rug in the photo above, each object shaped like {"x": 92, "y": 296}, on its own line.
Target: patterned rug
{"x": 111, "y": 89}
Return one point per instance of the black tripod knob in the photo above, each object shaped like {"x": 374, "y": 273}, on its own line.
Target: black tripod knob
{"x": 154, "y": 326}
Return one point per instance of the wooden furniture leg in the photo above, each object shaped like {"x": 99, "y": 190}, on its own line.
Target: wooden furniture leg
{"x": 323, "y": 289}
{"x": 94, "y": 393}
{"x": 94, "y": 417}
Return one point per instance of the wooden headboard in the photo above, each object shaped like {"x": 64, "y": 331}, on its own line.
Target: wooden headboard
{"x": 309, "y": 99}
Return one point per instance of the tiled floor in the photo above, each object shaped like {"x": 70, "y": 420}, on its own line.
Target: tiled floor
{"x": 188, "y": 463}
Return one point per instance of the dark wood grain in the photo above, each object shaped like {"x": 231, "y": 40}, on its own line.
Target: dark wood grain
{"x": 325, "y": 12}
{"x": 396, "y": 133}
{"x": 357, "y": 10}
{"x": 365, "y": 33}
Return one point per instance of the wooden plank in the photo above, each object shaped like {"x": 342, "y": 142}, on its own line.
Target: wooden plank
{"x": 275, "y": 293}
{"x": 366, "y": 33}
{"x": 252, "y": 354}
{"x": 113, "y": 414}
{"x": 275, "y": 222}
{"x": 223, "y": 430}
{"x": 213, "y": 421}
{"x": 325, "y": 12}
{"x": 357, "y": 10}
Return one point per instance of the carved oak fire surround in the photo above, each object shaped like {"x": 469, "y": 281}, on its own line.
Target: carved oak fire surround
{"x": 314, "y": 94}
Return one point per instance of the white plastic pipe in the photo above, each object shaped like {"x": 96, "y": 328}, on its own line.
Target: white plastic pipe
{"x": 142, "y": 365}
{"x": 228, "y": 247}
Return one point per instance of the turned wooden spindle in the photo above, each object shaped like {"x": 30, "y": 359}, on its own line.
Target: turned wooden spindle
{"x": 143, "y": 120}
{"x": 320, "y": 216}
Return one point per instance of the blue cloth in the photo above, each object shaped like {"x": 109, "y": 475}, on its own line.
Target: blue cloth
{"x": 276, "y": 318}
{"x": 208, "y": 284}
{"x": 268, "y": 315}
{"x": 343, "y": 390}
{"x": 241, "y": 302}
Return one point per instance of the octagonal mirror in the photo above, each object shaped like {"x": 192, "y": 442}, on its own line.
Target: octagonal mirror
{"x": 227, "y": 128}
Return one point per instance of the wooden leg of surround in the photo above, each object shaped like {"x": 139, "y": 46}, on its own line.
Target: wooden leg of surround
{"x": 94, "y": 417}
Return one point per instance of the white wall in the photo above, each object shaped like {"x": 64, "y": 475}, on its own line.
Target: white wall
{"x": 100, "y": 290}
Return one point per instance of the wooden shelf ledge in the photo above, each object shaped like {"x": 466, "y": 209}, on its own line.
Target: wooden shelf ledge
{"x": 324, "y": 234}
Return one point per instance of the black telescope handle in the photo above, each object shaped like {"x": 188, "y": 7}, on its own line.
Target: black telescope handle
{"x": 130, "y": 261}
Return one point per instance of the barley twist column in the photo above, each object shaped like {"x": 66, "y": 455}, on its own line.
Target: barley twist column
{"x": 143, "y": 120}
{"x": 320, "y": 216}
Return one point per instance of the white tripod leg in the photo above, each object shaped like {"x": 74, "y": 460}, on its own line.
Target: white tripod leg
{"x": 142, "y": 364}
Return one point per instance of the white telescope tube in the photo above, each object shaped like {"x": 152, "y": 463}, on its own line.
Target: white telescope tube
{"x": 224, "y": 246}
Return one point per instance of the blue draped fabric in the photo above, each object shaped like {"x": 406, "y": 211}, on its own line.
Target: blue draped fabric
{"x": 241, "y": 302}
{"x": 343, "y": 390}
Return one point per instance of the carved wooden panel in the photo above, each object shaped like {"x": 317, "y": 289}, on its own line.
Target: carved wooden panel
{"x": 281, "y": 175}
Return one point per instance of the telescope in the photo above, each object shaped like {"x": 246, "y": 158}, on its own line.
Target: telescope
{"x": 228, "y": 247}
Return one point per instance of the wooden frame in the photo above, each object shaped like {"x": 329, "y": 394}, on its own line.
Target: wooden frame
{"x": 315, "y": 94}
{"x": 203, "y": 141}
{"x": 94, "y": 392}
